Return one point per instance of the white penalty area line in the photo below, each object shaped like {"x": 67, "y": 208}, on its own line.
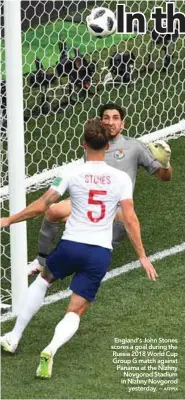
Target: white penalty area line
{"x": 63, "y": 294}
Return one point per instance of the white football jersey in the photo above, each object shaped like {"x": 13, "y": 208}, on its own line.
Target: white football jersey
{"x": 95, "y": 189}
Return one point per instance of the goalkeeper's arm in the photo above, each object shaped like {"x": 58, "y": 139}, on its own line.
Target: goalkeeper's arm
{"x": 162, "y": 152}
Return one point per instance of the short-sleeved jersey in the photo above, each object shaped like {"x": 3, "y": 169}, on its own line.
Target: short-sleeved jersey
{"x": 127, "y": 154}
{"x": 95, "y": 190}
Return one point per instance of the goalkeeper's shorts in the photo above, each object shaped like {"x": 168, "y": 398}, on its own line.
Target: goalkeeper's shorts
{"x": 87, "y": 262}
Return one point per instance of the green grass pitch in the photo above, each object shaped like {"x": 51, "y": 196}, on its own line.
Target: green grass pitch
{"x": 128, "y": 306}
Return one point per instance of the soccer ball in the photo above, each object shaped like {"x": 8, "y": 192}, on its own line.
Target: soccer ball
{"x": 101, "y": 22}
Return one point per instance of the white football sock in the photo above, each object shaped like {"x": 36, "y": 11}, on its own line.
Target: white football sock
{"x": 32, "y": 303}
{"x": 64, "y": 331}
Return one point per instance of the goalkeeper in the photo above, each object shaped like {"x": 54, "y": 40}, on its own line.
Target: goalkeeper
{"x": 125, "y": 154}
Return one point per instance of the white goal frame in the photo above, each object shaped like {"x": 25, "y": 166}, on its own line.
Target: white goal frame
{"x": 16, "y": 156}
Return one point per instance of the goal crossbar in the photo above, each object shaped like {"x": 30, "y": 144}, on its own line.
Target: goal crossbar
{"x": 40, "y": 180}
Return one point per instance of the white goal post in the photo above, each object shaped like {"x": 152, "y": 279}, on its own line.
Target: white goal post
{"x": 16, "y": 157}
{"x": 39, "y": 181}
{"x": 44, "y": 111}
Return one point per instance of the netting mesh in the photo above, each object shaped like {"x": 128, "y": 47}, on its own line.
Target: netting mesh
{"x": 67, "y": 74}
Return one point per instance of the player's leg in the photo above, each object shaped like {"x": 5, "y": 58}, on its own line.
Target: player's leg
{"x": 35, "y": 295}
{"x": 32, "y": 303}
{"x": 64, "y": 331}
{"x": 85, "y": 284}
{"x": 50, "y": 228}
{"x": 119, "y": 231}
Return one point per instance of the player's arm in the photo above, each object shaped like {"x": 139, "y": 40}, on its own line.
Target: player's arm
{"x": 162, "y": 153}
{"x": 34, "y": 209}
{"x": 56, "y": 190}
{"x": 155, "y": 158}
{"x": 164, "y": 174}
{"x": 132, "y": 227}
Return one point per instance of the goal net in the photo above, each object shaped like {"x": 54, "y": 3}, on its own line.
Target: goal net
{"x": 67, "y": 75}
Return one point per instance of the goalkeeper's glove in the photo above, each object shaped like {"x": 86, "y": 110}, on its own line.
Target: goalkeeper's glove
{"x": 161, "y": 151}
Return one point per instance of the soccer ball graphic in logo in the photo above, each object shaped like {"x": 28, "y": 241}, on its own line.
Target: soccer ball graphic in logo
{"x": 101, "y": 22}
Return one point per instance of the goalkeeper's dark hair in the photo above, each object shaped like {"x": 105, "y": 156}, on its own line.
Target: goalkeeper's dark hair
{"x": 111, "y": 106}
{"x": 95, "y": 135}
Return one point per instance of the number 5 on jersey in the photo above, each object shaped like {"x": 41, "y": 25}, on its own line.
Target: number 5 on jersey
{"x": 100, "y": 203}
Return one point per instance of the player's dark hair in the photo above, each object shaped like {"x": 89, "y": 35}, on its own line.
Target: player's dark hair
{"x": 95, "y": 135}
{"x": 111, "y": 106}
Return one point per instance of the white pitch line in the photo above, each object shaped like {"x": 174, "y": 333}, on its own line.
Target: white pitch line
{"x": 63, "y": 294}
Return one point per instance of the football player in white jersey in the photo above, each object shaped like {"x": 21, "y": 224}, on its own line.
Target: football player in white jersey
{"x": 126, "y": 154}
{"x": 85, "y": 248}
